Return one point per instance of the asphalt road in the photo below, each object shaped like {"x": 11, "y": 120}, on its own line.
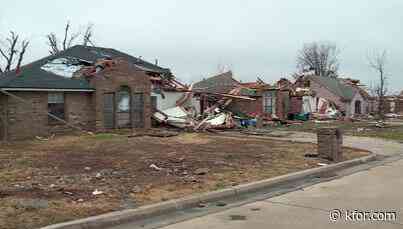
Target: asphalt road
{"x": 379, "y": 189}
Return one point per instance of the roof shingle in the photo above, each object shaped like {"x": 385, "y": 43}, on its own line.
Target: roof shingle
{"x": 33, "y": 76}
{"x": 222, "y": 83}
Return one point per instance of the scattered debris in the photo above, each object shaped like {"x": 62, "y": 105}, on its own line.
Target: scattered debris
{"x": 68, "y": 193}
{"x": 52, "y": 186}
{"x": 237, "y": 217}
{"x": 221, "y": 204}
{"x": 45, "y": 138}
{"x": 380, "y": 124}
{"x": 360, "y": 129}
{"x": 155, "y": 167}
{"x": 97, "y": 192}
{"x": 155, "y": 133}
{"x": 136, "y": 189}
{"x": 201, "y": 205}
{"x": 201, "y": 171}
{"x": 311, "y": 155}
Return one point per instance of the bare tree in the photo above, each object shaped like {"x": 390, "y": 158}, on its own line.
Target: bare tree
{"x": 222, "y": 68}
{"x": 69, "y": 39}
{"x": 321, "y": 57}
{"x": 377, "y": 62}
{"x": 87, "y": 37}
{"x": 12, "y": 49}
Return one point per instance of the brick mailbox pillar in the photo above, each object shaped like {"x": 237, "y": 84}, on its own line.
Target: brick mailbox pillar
{"x": 259, "y": 122}
{"x": 330, "y": 142}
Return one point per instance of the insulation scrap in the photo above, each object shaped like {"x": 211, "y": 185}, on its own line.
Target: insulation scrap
{"x": 63, "y": 67}
{"x": 176, "y": 116}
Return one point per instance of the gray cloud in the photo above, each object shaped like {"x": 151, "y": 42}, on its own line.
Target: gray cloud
{"x": 256, "y": 38}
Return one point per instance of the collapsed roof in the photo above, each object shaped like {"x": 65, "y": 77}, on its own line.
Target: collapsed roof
{"x": 222, "y": 83}
{"x": 335, "y": 85}
{"x": 56, "y": 71}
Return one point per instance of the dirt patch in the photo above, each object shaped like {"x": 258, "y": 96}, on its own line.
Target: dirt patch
{"x": 81, "y": 176}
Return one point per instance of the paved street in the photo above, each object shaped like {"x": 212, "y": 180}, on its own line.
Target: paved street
{"x": 379, "y": 188}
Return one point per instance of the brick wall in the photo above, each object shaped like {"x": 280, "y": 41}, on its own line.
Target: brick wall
{"x": 2, "y": 116}
{"x": 296, "y": 104}
{"x": 111, "y": 80}
{"x": 283, "y": 104}
{"x": 246, "y": 106}
{"x": 78, "y": 111}
{"x": 84, "y": 110}
{"x": 398, "y": 108}
{"x": 27, "y": 120}
{"x": 330, "y": 142}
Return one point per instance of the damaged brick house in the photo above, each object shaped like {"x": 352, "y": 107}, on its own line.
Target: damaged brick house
{"x": 394, "y": 104}
{"x": 90, "y": 88}
{"x": 271, "y": 102}
{"x": 345, "y": 95}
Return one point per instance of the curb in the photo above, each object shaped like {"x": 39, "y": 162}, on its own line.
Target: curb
{"x": 125, "y": 216}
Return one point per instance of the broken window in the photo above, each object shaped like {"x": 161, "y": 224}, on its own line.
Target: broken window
{"x": 56, "y": 105}
{"x": 124, "y": 100}
{"x": 269, "y": 102}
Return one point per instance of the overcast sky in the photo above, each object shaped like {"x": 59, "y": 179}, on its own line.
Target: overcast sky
{"x": 192, "y": 38}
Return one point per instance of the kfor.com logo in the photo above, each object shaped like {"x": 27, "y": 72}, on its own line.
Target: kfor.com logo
{"x": 362, "y": 215}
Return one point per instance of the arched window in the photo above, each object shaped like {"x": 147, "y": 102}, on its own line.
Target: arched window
{"x": 123, "y": 107}
{"x": 124, "y": 100}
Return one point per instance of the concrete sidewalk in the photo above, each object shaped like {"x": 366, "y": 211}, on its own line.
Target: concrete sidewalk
{"x": 379, "y": 188}
{"x": 375, "y": 145}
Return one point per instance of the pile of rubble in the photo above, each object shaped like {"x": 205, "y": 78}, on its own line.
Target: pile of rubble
{"x": 189, "y": 116}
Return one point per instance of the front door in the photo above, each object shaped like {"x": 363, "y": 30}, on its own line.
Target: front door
{"x": 138, "y": 110}
{"x": 357, "y": 107}
{"x": 109, "y": 110}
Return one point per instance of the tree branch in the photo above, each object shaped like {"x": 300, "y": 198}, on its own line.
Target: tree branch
{"x": 88, "y": 35}
{"x": 66, "y": 33}
{"x": 320, "y": 57}
{"x": 52, "y": 42}
{"x": 24, "y": 46}
{"x": 12, "y": 40}
{"x": 8, "y": 53}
